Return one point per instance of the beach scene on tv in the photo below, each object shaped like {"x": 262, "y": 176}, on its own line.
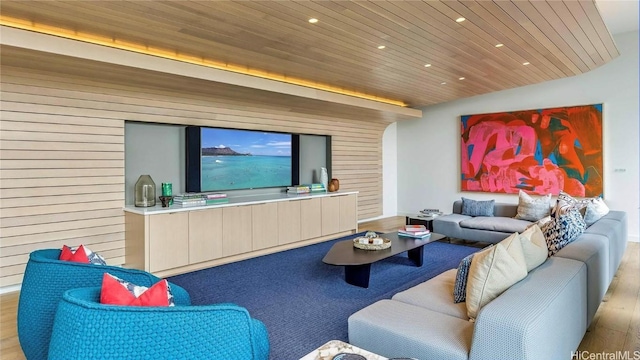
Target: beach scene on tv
{"x": 241, "y": 159}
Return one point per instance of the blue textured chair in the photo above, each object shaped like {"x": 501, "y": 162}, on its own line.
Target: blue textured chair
{"x": 85, "y": 329}
{"x": 45, "y": 280}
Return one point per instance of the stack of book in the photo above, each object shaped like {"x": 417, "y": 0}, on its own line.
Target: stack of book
{"x": 415, "y": 231}
{"x": 215, "y": 198}
{"x": 430, "y": 213}
{"x": 189, "y": 200}
{"x": 316, "y": 188}
{"x": 300, "y": 189}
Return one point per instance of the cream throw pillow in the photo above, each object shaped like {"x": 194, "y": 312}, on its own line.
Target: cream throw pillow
{"x": 534, "y": 247}
{"x": 493, "y": 271}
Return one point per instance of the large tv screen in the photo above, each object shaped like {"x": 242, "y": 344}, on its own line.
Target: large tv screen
{"x": 230, "y": 159}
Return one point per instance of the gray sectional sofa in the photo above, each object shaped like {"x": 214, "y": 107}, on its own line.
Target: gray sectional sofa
{"x": 544, "y": 316}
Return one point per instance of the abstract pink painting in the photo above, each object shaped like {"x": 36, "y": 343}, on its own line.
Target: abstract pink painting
{"x": 539, "y": 151}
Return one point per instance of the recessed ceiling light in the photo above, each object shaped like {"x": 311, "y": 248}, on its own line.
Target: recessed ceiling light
{"x": 525, "y": 63}
{"x": 499, "y": 45}
{"x": 313, "y": 20}
{"x": 427, "y": 65}
{"x": 461, "y": 78}
{"x": 443, "y": 83}
{"x": 381, "y": 47}
{"x": 460, "y": 19}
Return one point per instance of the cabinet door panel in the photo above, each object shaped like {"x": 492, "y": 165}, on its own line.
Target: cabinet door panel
{"x": 330, "y": 215}
{"x": 288, "y": 222}
{"x": 348, "y": 212}
{"x": 265, "y": 225}
{"x": 236, "y": 230}
{"x": 205, "y": 235}
{"x": 310, "y": 218}
{"x": 168, "y": 241}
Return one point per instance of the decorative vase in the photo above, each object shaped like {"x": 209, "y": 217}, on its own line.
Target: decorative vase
{"x": 145, "y": 191}
{"x": 324, "y": 178}
{"x": 166, "y": 200}
{"x": 334, "y": 185}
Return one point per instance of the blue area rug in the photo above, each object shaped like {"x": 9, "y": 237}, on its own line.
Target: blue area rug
{"x": 304, "y": 302}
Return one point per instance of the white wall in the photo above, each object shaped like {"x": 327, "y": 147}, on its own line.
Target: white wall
{"x": 428, "y": 149}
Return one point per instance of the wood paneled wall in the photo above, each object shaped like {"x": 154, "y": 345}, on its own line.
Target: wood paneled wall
{"x": 62, "y": 155}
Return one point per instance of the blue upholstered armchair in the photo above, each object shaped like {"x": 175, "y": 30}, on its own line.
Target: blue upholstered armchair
{"x": 45, "y": 280}
{"x": 86, "y": 329}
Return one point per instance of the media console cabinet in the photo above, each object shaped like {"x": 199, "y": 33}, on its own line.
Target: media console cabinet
{"x": 175, "y": 240}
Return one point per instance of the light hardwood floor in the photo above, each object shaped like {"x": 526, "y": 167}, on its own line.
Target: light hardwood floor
{"x": 616, "y": 326}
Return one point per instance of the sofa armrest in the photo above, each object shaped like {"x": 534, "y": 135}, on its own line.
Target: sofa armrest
{"x": 543, "y": 316}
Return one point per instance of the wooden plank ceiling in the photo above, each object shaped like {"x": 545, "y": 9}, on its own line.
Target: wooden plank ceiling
{"x": 554, "y": 38}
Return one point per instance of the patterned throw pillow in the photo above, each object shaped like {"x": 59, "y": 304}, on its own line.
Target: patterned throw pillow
{"x": 477, "y": 208}
{"x": 83, "y": 256}
{"x": 460, "y": 286}
{"x": 116, "y": 291}
{"x": 562, "y": 230}
{"x": 566, "y": 202}
{"x": 533, "y": 209}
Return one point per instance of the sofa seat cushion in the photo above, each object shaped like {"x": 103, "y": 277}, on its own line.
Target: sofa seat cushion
{"x": 435, "y": 294}
{"x": 501, "y": 224}
{"x": 394, "y": 329}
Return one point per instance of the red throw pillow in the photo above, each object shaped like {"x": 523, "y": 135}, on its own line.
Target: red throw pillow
{"x": 116, "y": 291}
{"x": 79, "y": 256}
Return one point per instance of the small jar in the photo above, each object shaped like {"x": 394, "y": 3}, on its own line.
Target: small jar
{"x": 334, "y": 185}
{"x": 145, "y": 191}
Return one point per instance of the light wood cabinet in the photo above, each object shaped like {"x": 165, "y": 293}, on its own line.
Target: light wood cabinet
{"x": 264, "y": 225}
{"x": 205, "y": 235}
{"x": 236, "y": 230}
{"x": 348, "y": 212}
{"x": 310, "y": 218}
{"x": 288, "y": 222}
{"x": 168, "y": 241}
{"x": 330, "y": 215}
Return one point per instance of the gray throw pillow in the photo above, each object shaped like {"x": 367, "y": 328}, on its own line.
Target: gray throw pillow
{"x": 595, "y": 209}
{"x": 533, "y": 209}
{"x": 477, "y": 208}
